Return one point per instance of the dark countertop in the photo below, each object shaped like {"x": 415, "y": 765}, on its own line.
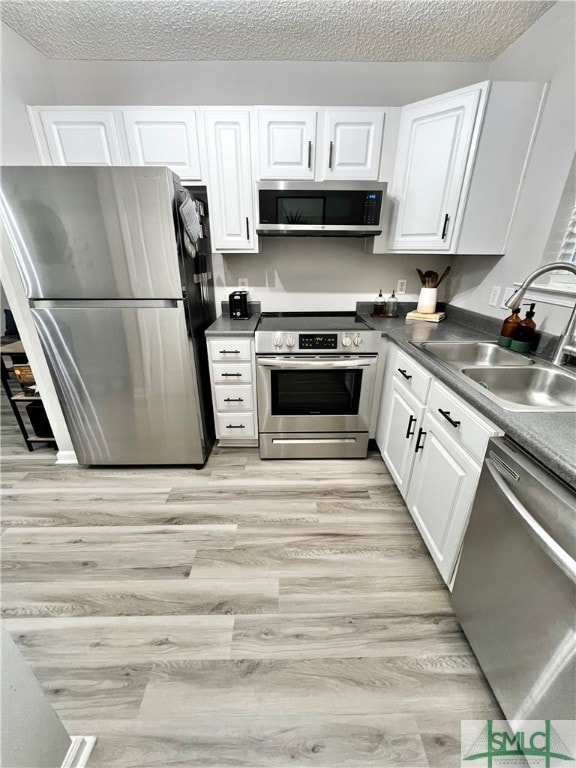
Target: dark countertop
{"x": 549, "y": 437}
{"x": 227, "y": 326}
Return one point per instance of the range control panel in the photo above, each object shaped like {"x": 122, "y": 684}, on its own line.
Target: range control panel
{"x": 318, "y": 341}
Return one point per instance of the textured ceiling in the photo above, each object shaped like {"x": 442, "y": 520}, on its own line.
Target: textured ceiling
{"x": 313, "y": 30}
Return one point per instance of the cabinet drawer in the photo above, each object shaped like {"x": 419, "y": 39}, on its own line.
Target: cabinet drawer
{"x": 234, "y": 398}
{"x": 233, "y": 373}
{"x": 222, "y": 350}
{"x": 414, "y": 378}
{"x": 469, "y": 429}
{"x": 236, "y": 425}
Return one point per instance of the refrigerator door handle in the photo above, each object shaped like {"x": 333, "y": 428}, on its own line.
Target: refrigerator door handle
{"x": 104, "y": 304}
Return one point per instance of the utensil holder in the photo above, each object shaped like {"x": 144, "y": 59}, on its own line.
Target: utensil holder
{"x": 427, "y": 301}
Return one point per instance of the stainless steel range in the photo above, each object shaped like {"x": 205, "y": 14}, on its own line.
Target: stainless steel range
{"x": 315, "y": 374}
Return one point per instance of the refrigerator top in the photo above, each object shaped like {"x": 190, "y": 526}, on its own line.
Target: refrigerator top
{"x": 93, "y": 232}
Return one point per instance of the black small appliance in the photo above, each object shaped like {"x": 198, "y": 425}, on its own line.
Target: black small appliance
{"x": 239, "y": 305}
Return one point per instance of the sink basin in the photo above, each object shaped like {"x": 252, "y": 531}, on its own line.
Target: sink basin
{"x": 463, "y": 353}
{"x": 535, "y": 388}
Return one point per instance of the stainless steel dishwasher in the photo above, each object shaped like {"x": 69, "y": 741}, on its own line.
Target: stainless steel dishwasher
{"x": 515, "y": 588}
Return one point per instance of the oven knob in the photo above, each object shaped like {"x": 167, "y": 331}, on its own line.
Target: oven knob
{"x": 357, "y": 341}
{"x": 278, "y": 341}
{"x": 290, "y": 341}
{"x": 346, "y": 341}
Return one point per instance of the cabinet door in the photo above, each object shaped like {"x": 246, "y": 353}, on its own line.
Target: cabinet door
{"x": 404, "y": 419}
{"x": 229, "y": 172}
{"x": 287, "y": 144}
{"x": 83, "y": 137}
{"x": 440, "y": 494}
{"x": 164, "y": 137}
{"x": 433, "y": 151}
{"x": 353, "y": 140}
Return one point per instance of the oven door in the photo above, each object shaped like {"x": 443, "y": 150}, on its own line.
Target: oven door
{"x": 304, "y": 393}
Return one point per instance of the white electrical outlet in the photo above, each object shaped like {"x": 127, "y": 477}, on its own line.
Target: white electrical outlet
{"x": 507, "y": 293}
{"x": 494, "y": 296}
{"x": 401, "y": 287}
{"x": 242, "y": 282}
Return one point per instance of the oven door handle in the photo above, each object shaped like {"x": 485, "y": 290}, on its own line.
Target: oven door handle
{"x": 358, "y": 362}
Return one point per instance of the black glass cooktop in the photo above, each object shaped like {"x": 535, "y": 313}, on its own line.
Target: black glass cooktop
{"x": 311, "y": 321}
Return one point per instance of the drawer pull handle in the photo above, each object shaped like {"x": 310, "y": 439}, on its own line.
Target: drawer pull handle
{"x": 411, "y": 426}
{"x": 230, "y": 374}
{"x": 420, "y": 445}
{"x": 403, "y": 372}
{"x": 229, "y": 351}
{"x": 309, "y": 154}
{"x": 233, "y": 399}
{"x": 235, "y": 426}
{"x": 446, "y": 415}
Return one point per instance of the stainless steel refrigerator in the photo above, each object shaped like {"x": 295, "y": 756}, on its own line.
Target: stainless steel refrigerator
{"x": 121, "y": 303}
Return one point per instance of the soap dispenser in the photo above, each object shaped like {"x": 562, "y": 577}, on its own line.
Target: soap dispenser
{"x": 392, "y": 306}
{"x": 524, "y": 336}
{"x": 379, "y": 305}
{"x": 508, "y": 327}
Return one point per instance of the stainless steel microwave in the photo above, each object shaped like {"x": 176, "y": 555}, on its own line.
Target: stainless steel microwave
{"x": 320, "y": 208}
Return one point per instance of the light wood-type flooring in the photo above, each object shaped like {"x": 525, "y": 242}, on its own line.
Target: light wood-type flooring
{"x": 274, "y": 614}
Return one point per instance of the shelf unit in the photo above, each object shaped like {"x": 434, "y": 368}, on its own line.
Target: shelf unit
{"x": 15, "y": 351}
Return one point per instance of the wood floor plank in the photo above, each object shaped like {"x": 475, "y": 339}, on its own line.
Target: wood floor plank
{"x": 440, "y": 732}
{"x": 273, "y": 493}
{"x": 314, "y": 739}
{"x": 78, "y": 539}
{"x": 99, "y": 563}
{"x": 321, "y": 556}
{"x": 339, "y": 686}
{"x": 305, "y": 636}
{"x": 106, "y": 641}
{"x": 193, "y": 512}
{"x": 95, "y": 693}
{"x": 391, "y": 593}
{"x": 146, "y": 598}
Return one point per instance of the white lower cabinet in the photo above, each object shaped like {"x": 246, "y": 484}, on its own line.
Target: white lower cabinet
{"x": 398, "y": 447}
{"x": 232, "y": 374}
{"x": 442, "y": 487}
{"x": 433, "y": 444}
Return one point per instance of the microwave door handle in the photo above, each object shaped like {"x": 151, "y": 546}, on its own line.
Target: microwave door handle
{"x": 279, "y": 363}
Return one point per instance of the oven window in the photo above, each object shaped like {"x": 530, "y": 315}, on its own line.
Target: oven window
{"x": 316, "y": 393}
{"x": 301, "y": 210}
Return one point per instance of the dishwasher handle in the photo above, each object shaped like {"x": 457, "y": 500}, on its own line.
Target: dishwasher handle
{"x": 551, "y": 547}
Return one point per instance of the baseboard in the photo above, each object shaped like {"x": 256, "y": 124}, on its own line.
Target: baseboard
{"x": 79, "y": 751}
{"x": 66, "y": 457}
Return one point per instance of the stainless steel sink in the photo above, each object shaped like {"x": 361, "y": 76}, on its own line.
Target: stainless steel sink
{"x": 535, "y": 388}
{"x": 469, "y": 353}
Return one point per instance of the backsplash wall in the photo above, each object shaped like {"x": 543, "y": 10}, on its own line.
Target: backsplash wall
{"x": 321, "y": 274}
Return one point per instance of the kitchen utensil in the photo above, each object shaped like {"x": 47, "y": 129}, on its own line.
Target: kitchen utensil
{"x": 430, "y": 278}
{"x": 444, "y": 274}
{"x": 422, "y": 277}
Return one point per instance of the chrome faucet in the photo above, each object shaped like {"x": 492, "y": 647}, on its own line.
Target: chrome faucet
{"x": 565, "y": 345}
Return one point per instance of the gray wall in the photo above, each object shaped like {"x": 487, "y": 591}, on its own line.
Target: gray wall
{"x": 32, "y": 734}
{"x": 25, "y": 79}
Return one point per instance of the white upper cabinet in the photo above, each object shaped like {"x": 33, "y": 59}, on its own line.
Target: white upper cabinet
{"x": 460, "y": 165}
{"x": 286, "y": 143}
{"x": 433, "y": 150}
{"x": 158, "y": 136}
{"x": 230, "y": 179}
{"x": 352, "y": 143}
{"x": 78, "y": 137}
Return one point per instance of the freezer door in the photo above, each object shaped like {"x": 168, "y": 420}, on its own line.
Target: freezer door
{"x": 126, "y": 381}
{"x": 92, "y": 232}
